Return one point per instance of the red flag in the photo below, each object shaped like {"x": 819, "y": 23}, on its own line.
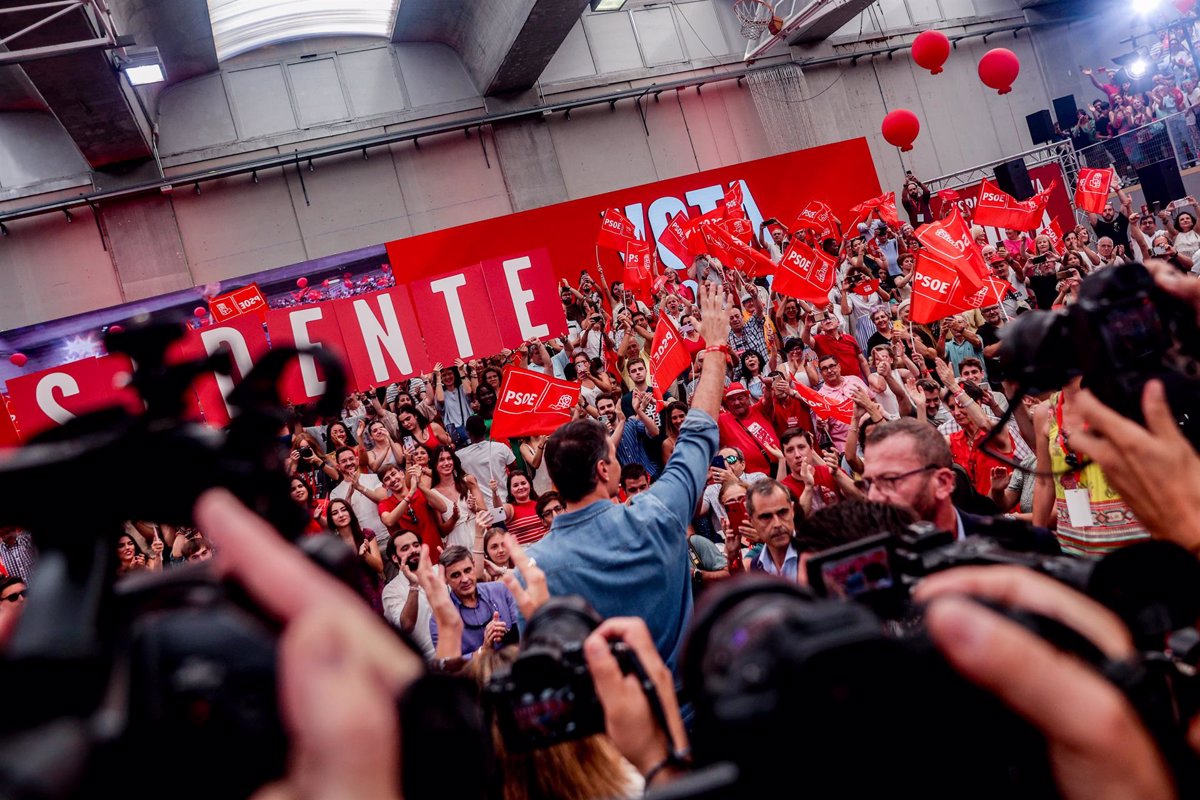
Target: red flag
{"x": 817, "y": 217}
{"x": 866, "y": 288}
{"x": 805, "y": 273}
{"x": 999, "y": 209}
{"x": 695, "y": 229}
{"x": 885, "y": 205}
{"x": 733, "y": 254}
{"x": 948, "y": 195}
{"x": 732, "y": 204}
{"x": 950, "y": 239}
{"x": 615, "y": 230}
{"x": 1091, "y": 191}
{"x": 668, "y": 357}
{"x": 1056, "y": 236}
{"x": 739, "y": 228}
{"x": 675, "y": 238}
{"x": 531, "y": 403}
{"x": 637, "y": 271}
{"x": 939, "y": 291}
{"x": 824, "y": 407}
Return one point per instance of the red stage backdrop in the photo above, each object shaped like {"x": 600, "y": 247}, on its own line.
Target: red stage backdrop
{"x": 464, "y": 292}
{"x": 1059, "y": 208}
{"x": 840, "y": 174}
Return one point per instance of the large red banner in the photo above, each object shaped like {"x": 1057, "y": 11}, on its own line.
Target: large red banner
{"x": 1058, "y": 208}
{"x": 840, "y": 174}
{"x": 50, "y": 397}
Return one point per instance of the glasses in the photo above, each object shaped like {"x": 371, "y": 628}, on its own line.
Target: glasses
{"x": 550, "y": 511}
{"x": 829, "y": 367}
{"x": 731, "y": 460}
{"x": 887, "y": 483}
{"x": 14, "y": 597}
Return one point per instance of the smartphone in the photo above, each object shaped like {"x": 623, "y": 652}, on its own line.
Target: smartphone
{"x": 410, "y": 443}
{"x": 687, "y": 329}
{"x": 1156, "y": 205}
{"x": 604, "y": 419}
{"x": 737, "y": 515}
{"x": 497, "y": 515}
{"x": 718, "y": 462}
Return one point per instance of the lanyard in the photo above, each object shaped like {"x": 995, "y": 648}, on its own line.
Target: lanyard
{"x": 1072, "y": 459}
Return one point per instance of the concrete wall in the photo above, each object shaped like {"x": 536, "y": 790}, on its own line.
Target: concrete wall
{"x": 51, "y": 268}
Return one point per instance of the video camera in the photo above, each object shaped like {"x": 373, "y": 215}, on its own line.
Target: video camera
{"x": 1122, "y": 331}
{"x": 846, "y": 678}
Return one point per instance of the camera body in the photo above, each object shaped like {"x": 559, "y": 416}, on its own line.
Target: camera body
{"x": 1121, "y": 332}
{"x": 546, "y": 696}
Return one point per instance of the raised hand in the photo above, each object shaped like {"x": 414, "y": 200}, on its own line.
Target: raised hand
{"x": 535, "y": 592}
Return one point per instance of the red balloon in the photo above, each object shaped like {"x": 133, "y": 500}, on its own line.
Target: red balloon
{"x": 18, "y": 359}
{"x": 115, "y": 329}
{"x": 302, "y": 282}
{"x": 999, "y": 68}
{"x": 930, "y": 50}
{"x": 900, "y": 128}
{"x": 326, "y": 282}
{"x": 200, "y": 312}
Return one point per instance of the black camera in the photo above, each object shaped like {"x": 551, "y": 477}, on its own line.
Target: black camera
{"x": 1121, "y": 332}
{"x": 306, "y": 452}
{"x": 879, "y": 571}
{"x": 546, "y": 696}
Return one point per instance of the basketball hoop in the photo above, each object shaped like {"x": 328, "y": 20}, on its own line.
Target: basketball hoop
{"x": 755, "y": 16}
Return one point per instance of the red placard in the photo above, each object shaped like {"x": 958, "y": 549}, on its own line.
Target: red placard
{"x": 314, "y": 325}
{"x": 8, "y": 425}
{"x": 456, "y": 315}
{"x": 48, "y": 398}
{"x": 381, "y": 336}
{"x": 524, "y": 294}
{"x": 240, "y": 301}
{"x": 531, "y": 403}
{"x": 244, "y": 340}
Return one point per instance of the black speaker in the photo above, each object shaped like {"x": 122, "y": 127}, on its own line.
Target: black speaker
{"x": 1013, "y": 177}
{"x": 1065, "y": 111}
{"x": 1161, "y": 181}
{"x": 1041, "y": 126}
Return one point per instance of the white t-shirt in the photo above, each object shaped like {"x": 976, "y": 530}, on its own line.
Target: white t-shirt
{"x": 487, "y": 460}
{"x": 365, "y": 509}
{"x": 1187, "y": 243}
{"x": 395, "y": 596}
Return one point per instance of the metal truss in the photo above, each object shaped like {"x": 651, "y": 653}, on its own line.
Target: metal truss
{"x": 95, "y": 12}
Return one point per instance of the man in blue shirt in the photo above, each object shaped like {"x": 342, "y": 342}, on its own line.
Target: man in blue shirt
{"x": 488, "y": 610}
{"x": 633, "y": 559}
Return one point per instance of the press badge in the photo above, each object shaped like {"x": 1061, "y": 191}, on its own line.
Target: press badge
{"x": 1079, "y": 508}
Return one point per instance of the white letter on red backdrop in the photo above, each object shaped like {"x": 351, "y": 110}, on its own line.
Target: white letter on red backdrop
{"x": 308, "y": 365}
{"x": 448, "y": 289}
{"x": 521, "y": 298}
{"x": 213, "y": 339}
{"x": 45, "y": 395}
{"x": 706, "y": 199}
{"x": 378, "y": 335}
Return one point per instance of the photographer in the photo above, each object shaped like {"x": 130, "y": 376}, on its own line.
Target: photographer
{"x": 634, "y": 557}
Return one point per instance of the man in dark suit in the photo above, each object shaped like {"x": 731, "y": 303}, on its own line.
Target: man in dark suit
{"x": 907, "y": 463}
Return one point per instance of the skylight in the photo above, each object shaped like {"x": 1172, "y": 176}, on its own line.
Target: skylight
{"x": 242, "y": 25}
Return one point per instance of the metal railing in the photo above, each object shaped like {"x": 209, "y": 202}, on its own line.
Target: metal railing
{"x": 1168, "y": 137}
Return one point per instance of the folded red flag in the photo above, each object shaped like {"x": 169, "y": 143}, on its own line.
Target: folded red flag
{"x": 675, "y": 238}
{"x": 950, "y": 239}
{"x": 817, "y": 217}
{"x": 939, "y": 291}
{"x": 732, "y": 201}
{"x": 637, "y": 275}
{"x": 668, "y": 357}
{"x": 1056, "y": 236}
{"x": 825, "y": 407}
{"x": 999, "y": 209}
{"x": 531, "y": 403}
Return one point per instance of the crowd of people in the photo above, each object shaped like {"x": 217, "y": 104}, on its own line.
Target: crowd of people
{"x": 652, "y": 494}
{"x": 1143, "y": 117}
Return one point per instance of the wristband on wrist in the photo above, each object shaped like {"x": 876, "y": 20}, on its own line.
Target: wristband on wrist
{"x": 717, "y": 348}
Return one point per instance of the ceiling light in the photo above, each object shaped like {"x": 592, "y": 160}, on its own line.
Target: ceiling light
{"x": 1137, "y": 68}
{"x": 607, "y": 5}
{"x": 142, "y": 65}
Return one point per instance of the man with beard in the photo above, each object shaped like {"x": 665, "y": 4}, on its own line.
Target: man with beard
{"x": 1113, "y": 225}
{"x": 404, "y": 602}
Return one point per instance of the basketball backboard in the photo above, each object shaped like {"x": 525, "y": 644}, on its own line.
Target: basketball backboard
{"x": 814, "y": 18}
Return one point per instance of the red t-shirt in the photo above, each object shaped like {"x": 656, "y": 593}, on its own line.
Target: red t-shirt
{"x": 790, "y": 413}
{"x": 824, "y": 481}
{"x": 747, "y": 434}
{"x": 418, "y": 519}
{"x": 977, "y": 463}
{"x": 844, "y": 348}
